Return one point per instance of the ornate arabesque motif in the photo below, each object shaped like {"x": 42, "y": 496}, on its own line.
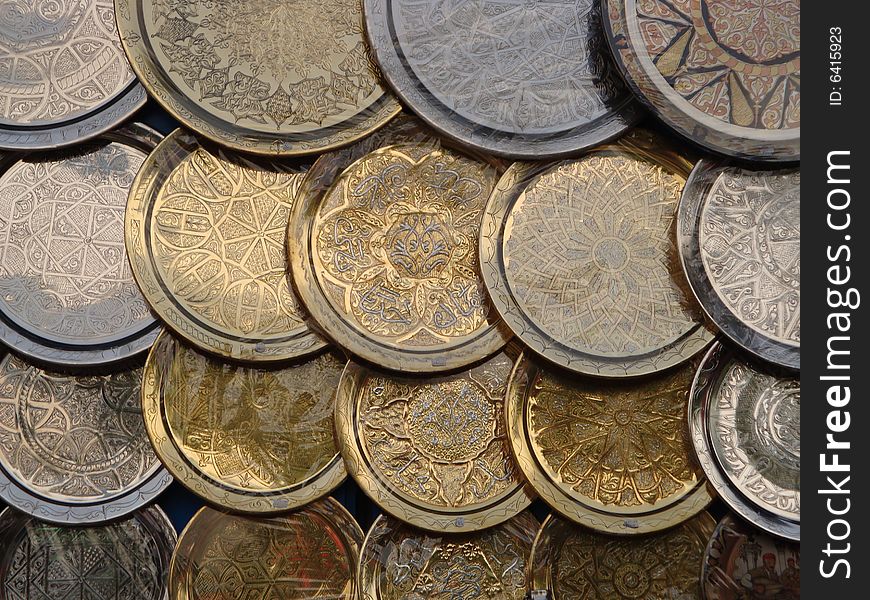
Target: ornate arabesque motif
{"x": 736, "y": 60}
{"x": 749, "y": 236}
{"x": 59, "y": 59}
{"x": 63, "y": 266}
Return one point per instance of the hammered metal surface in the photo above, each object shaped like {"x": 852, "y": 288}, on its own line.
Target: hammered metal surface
{"x": 125, "y": 560}
{"x": 387, "y": 259}
{"x": 205, "y": 229}
{"x": 573, "y": 562}
{"x": 73, "y": 449}
{"x": 310, "y": 554}
{"x": 578, "y": 256}
{"x": 399, "y": 562}
{"x": 725, "y": 73}
{"x": 265, "y": 76}
{"x": 739, "y": 238}
{"x": 432, "y": 452}
{"x": 613, "y": 455}
{"x": 517, "y": 78}
{"x": 67, "y": 295}
{"x": 245, "y": 439}
{"x": 63, "y": 74}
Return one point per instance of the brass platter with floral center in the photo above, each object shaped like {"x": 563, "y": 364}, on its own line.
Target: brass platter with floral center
{"x": 615, "y": 456}
{"x": 433, "y": 452}
{"x": 73, "y": 448}
{"x": 263, "y": 76}
{"x": 308, "y": 554}
{"x": 385, "y": 259}
{"x": 205, "y": 231}
{"x": 399, "y": 562}
{"x": 579, "y": 258}
{"x": 724, "y": 73}
{"x": 570, "y": 562}
{"x": 243, "y": 438}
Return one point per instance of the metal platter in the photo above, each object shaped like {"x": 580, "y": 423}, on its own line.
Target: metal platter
{"x": 739, "y": 237}
{"x": 742, "y": 562}
{"x": 514, "y": 78}
{"x": 385, "y": 259}
{"x": 615, "y": 456}
{"x": 244, "y": 439}
{"x": 399, "y": 562}
{"x": 124, "y": 560}
{"x": 263, "y": 76}
{"x": 205, "y": 230}
{"x": 73, "y": 449}
{"x": 724, "y": 73}
{"x": 579, "y": 259}
{"x": 433, "y": 452}
{"x": 67, "y": 295}
{"x": 311, "y": 553}
{"x": 65, "y": 77}
{"x": 745, "y": 422}
{"x": 570, "y": 562}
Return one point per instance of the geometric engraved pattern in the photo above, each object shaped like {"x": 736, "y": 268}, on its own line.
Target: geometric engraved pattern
{"x": 59, "y": 59}
{"x": 735, "y": 60}
{"x": 750, "y": 245}
{"x": 63, "y": 267}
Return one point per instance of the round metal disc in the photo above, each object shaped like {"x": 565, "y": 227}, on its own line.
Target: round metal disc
{"x": 73, "y": 449}
{"x": 263, "y": 76}
{"x": 745, "y": 421}
{"x": 67, "y": 294}
{"x": 579, "y": 258}
{"x": 386, "y": 263}
{"x": 205, "y": 229}
{"x": 570, "y": 562}
{"x": 511, "y": 77}
{"x": 65, "y": 77}
{"x": 739, "y": 236}
{"x": 124, "y": 560}
{"x": 399, "y": 562}
{"x": 433, "y": 453}
{"x": 615, "y": 456}
{"x": 724, "y": 73}
{"x": 245, "y": 439}
{"x": 311, "y": 553}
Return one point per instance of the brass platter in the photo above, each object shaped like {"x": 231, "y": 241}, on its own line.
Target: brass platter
{"x": 615, "y": 456}
{"x": 739, "y": 236}
{"x": 579, "y": 258}
{"x": 73, "y": 449}
{"x": 311, "y": 553}
{"x": 399, "y": 562}
{"x": 724, "y": 73}
{"x": 205, "y": 231}
{"x": 65, "y": 77}
{"x": 571, "y": 562}
{"x": 67, "y": 294}
{"x": 245, "y": 439}
{"x": 385, "y": 259}
{"x": 433, "y": 453}
{"x": 123, "y": 560}
{"x": 263, "y": 76}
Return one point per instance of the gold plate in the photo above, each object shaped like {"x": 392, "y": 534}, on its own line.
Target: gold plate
{"x": 432, "y": 452}
{"x": 310, "y": 554}
{"x": 385, "y": 259}
{"x": 616, "y": 456}
{"x": 399, "y": 562}
{"x": 580, "y": 260}
{"x": 205, "y": 232}
{"x": 245, "y": 439}
{"x": 262, "y": 76}
{"x": 572, "y": 562}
